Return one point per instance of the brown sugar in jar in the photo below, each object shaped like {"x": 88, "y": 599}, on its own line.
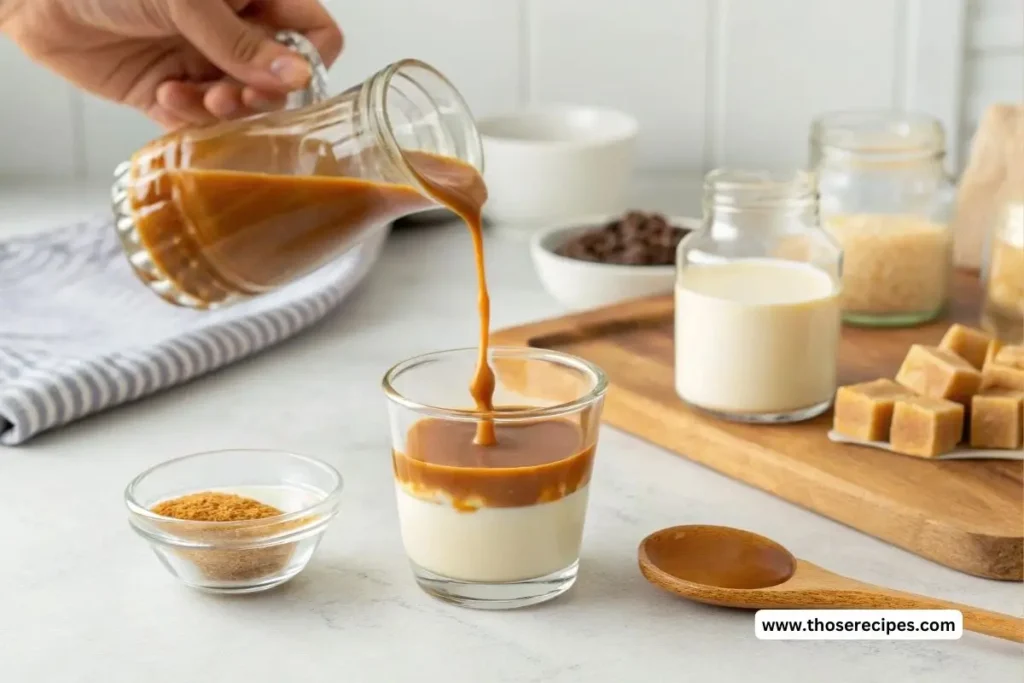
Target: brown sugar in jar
{"x": 886, "y": 199}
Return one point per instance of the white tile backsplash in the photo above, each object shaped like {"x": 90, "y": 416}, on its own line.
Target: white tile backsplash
{"x": 112, "y": 133}
{"x": 475, "y": 43}
{"x": 644, "y": 57}
{"x": 934, "y": 49}
{"x": 993, "y": 70}
{"x": 780, "y": 63}
{"x": 711, "y": 81}
{"x": 37, "y": 119}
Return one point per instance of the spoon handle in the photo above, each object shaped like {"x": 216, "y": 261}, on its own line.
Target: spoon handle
{"x": 975, "y": 619}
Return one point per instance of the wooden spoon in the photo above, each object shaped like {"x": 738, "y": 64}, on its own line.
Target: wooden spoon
{"x": 734, "y": 568}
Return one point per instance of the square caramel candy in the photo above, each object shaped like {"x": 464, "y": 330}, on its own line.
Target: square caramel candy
{"x": 996, "y": 419}
{"x": 990, "y": 354}
{"x": 1006, "y": 369}
{"x": 864, "y": 411}
{"x": 968, "y": 343}
{"x": 938, "y": 373}
{"x": 1011, "y": 355}
{"x": 926, "y": 426}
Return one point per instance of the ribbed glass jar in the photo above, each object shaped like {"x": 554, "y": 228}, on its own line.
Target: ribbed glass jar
{"x": 212, "y": 215}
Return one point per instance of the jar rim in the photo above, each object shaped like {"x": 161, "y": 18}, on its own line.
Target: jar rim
{"x": 741, "y": 178}
{"x": 379, "y": 103}
{"x": 744, "y": 189}
{"x": 883, "y": 132}
{"x": 598, "y": 385}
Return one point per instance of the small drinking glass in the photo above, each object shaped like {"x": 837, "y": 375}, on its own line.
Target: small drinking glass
{"x": 500, "y": 526}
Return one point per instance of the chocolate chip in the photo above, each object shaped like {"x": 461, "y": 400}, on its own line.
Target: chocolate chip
{"x": 634, "y": 255}
{"x": 636, "y": 238}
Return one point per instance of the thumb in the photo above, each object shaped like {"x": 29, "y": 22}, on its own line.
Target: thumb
{"x": 243, "y": 50}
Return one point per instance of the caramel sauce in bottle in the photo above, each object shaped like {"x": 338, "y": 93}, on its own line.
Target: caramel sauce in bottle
{"x": 237, "y": 209}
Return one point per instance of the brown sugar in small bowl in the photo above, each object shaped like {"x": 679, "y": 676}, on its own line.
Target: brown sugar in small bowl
{"x": 235, "y": 521}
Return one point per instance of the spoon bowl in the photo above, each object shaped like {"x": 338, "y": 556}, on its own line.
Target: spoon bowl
{"x": 718, "y": 557}
{"x": 730, "y": 567}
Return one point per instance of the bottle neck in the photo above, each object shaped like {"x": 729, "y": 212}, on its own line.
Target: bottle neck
{"x": 760, "y": 201}
{"x": 409, "y": 107}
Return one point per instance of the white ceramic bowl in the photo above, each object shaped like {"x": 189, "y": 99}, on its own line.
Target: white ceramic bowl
{"x": 556, "y": 163}
{"x": 582, "y": 285}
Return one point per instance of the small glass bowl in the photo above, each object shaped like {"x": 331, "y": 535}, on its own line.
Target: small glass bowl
{"x": 244, "y": 556}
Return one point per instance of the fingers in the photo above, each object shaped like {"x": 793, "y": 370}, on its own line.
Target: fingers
{"x": 164, "y": 118}
{"x": 205, "y": 103}
{"x": 309, "y": 17}
{"x": 262, "y": 100}
{"x": 242, "y": 49}
{"x": 223, "y": 100}
{"x": 183, "y": 103}
{"x": 260, "y": 71}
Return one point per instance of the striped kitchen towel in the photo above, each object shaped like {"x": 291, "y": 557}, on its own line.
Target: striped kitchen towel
{"x": 79, "y": 333}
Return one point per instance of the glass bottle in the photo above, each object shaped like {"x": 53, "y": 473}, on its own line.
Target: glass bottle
{"x": 212, "y": 215}
{"x": 1003, "y": 309}
{"x": 757, "y": 301}
{"x": 887, "y": 199}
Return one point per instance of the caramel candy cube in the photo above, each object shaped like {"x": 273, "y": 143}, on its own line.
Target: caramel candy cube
{"x": 926, "y": 426}
{"x": 996, "y": 419}
{"x": 935, "y": 372}
{"x": 990, "y": 354}
{"x": 864, "y": 411}
{"x": 968, "y": 343}
{"x": 1006, "y": 370}
{"x": 1012, "y": 356}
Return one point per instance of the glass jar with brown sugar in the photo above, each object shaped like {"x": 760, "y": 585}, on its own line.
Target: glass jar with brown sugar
{"x": 886, "y": 198}
{"x": 212, "y": 215}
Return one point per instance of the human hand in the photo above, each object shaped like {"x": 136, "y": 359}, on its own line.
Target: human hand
{"x": 182, "y": 62}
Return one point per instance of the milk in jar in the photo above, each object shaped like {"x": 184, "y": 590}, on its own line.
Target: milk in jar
{"x": 758, "y": 313}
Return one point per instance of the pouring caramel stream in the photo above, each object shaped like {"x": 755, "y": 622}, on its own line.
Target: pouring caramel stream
{"x": 460, "y": 187}
{"x": 218, "y": 233}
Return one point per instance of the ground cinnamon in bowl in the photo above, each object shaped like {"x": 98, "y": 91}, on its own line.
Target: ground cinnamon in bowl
{"x": 212, "y": 506}
{"x": 242, "y": 564}
{"x": 234, "y": 521}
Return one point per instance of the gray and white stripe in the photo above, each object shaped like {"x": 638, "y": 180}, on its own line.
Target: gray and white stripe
{"x": 80, "y": 334}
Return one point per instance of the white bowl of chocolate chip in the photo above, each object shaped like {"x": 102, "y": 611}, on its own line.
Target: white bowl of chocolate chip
{"x": 602, "y": 260}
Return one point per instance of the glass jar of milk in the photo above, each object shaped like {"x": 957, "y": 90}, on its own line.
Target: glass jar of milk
{"x": 887, "y": 199}
{"x": 757, "y": 301}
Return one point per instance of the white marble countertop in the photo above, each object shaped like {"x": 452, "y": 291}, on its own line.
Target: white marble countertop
{"x": 83, "y": 599}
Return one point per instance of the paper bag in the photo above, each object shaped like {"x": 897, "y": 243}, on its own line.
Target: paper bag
{"x": 996, "y": 156}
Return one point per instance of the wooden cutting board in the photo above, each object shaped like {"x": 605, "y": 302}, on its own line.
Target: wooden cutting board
{"x": 968, "y": 515}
